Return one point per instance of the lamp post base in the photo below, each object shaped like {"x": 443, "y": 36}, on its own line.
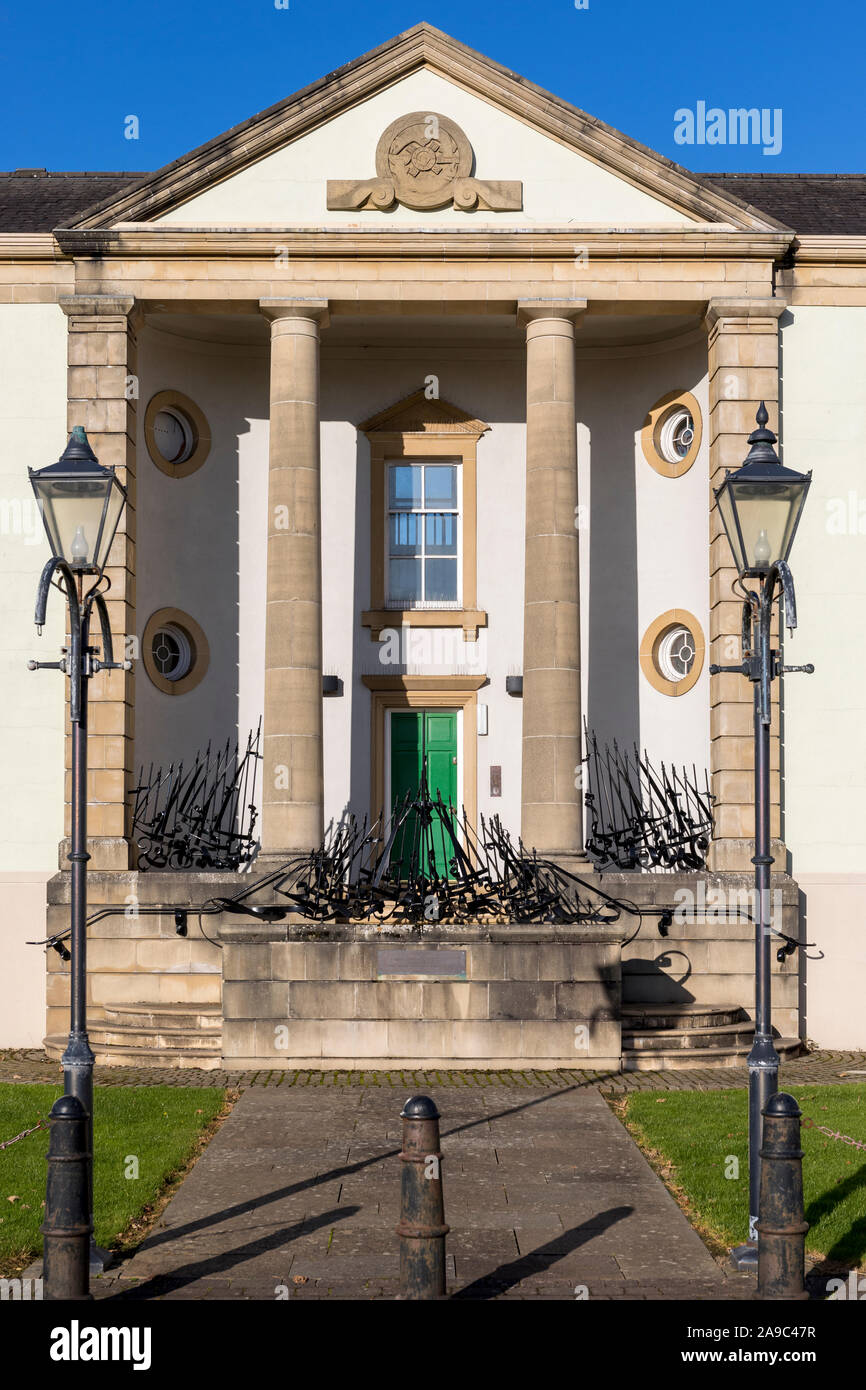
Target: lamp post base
{"x": 744, "y": 1259}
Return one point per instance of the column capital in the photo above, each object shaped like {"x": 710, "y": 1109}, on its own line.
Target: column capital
{"x": 531, "y": 310}
{"x": 718, "y": 309}
{"x": 315, "y": 309}
{"x": 98, "y": 305}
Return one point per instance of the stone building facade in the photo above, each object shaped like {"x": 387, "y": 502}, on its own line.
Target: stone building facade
{"x": 421, "y": 380}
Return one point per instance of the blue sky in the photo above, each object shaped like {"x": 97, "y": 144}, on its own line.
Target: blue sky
{"x": 188, "y": 70}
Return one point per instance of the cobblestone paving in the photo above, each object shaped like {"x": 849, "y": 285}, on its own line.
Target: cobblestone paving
{"x": 828, "y": 1068}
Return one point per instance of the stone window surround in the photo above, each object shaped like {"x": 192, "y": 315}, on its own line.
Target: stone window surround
{"x": 175, "y": 617}
{"x": 650, "y": 429}
{"x": 390, "y": 447}
{"x": 424, "y": 692}
{"x": 649, "y": 644}
{"x": 201, "y": 430}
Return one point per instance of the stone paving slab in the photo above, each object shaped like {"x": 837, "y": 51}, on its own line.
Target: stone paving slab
{"x": 245, "y": 1224}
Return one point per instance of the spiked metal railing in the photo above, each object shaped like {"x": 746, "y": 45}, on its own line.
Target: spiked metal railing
{"x": 425, "y": 864}
{"x": 642, "y": 818}
{"x": 202, "y": 816}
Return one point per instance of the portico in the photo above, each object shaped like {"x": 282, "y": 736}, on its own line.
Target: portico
{"x": 419, "y": 384}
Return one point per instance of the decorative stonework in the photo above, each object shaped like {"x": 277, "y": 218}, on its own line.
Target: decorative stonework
{"x": 419, "y": 414}
{"x": 424, "y": 160}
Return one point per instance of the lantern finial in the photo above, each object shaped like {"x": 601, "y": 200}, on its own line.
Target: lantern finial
{"x": 762, "y": 440}
{"x": 78, "y": 448}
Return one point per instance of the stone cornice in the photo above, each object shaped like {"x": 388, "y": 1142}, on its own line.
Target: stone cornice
{"x": 701, "y": 243}
{"x": 417, "y": 48}
{"x": 29, "y": 246}
{"x": 830, "y": 250}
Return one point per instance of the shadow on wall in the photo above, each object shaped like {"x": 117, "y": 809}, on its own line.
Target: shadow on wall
{"x": 613, "y": 704}
{"x": 189, "y": 559}
{"x": 655, "y": 981}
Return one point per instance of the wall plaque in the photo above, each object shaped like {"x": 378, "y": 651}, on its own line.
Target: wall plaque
{"x": 420, "y": 963}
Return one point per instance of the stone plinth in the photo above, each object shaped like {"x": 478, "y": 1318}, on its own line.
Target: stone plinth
{"x": 457, "y": 996}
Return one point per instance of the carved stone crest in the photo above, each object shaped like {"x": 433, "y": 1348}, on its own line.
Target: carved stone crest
{"x": 424, "y": 161}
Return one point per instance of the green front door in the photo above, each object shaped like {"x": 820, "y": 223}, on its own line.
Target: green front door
{"x": 423, "y": 740}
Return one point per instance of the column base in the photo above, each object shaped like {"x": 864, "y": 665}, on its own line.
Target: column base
{"x": 572, "y": 861}
{"x": 730, "y": 855}
{"x": 111, "y": 853}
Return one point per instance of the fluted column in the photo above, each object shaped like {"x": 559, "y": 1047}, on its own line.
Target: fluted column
{"x": 292, "y": 769}
{"x": 551, "y": 798}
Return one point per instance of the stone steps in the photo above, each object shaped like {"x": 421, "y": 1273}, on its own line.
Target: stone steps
{"x": 654, "y": 1016}
{"x": 663, "y": 1037}
{"x": 695, "y": 1039}
{"x": 158, "y": 1035}
{"x": 679, "y": 1058}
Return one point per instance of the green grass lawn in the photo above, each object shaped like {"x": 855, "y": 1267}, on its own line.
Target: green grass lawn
{"x": 160, "y": 1126}
{"x": 689, "y": 1135}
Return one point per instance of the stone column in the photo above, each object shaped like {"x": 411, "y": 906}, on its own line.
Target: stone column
{"x": 551, "y": 797}
{"x": 743, "y": 360}
{"x": 292, "y": 768}
{"x": 103, "y": 397}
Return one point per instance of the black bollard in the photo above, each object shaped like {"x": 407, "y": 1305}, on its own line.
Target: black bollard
{"x": 67, "y": 1226}
{"x": 781, "y": 1227}
{"x": 422, "y": 1228}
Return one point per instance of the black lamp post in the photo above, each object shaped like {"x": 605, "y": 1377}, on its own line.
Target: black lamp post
{"x": 80, "y": 503}
{"x": 760, "y": 506}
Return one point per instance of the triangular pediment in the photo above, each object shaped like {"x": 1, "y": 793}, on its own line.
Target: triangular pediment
{"x": 418, "y": 414}
{"x": 315, "y": 160}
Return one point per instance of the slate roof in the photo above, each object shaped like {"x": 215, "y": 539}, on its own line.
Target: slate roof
{"x": 811, "y": 204}
{"x": 33, "y": 200}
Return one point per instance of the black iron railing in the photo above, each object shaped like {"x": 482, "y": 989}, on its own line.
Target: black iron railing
{"x": 423, "y": 864}
{"x": 199, "y": 816}
{"x": 643, "y": 817}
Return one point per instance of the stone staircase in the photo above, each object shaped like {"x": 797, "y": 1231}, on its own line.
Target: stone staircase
{"x": 153, "y": 1035}
{"x": 666, "y": 1037}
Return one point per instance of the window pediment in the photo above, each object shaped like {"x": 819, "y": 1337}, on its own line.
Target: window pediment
{"x": 418, "y": 414}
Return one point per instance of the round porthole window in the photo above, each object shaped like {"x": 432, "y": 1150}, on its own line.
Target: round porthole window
{"x": 173, "y": 435}
{"x": 676, "y": 435}
{"x": 675, "y": 655}
{"x": 671, "y": 434}
{"x": 672, "y": 652}
{"x": 176, "y": 433}
{"x": 174, "y": 651}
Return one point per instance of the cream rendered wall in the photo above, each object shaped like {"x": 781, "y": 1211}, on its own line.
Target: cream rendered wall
{"x": 824, "y": 428}
{"x": 491, "y": 386}
{"x": 288, "y": 187}
{"x": 201, "y": 543}
{"x": 33, "y": 428}
{"x": 202, "y": 548}
{"x": 644, "y": 548}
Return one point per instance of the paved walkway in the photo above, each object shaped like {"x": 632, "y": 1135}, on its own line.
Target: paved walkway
{"x": 545, "y": 1192}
